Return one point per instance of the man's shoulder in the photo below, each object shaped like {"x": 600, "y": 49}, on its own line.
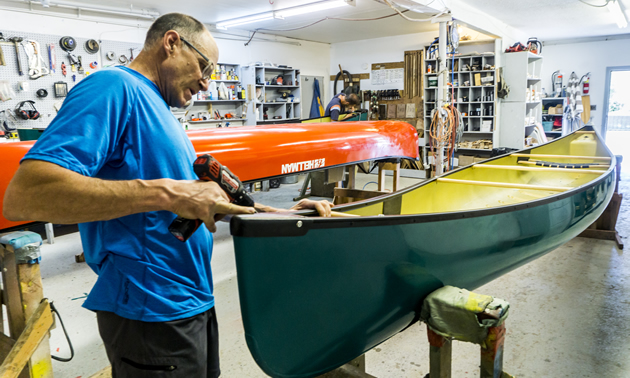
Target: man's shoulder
{"x": 114, "y": 76}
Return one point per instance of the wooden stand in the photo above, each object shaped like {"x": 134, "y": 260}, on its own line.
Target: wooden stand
{"x": 29, "y": 319}
{"x": 350, "y": 194}
{"x": 605, "y": 226}
{"x": 491, "y": 364}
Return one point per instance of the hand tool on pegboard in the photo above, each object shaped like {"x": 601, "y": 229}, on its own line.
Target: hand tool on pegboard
{"x": 16, "y": 42}
{"x": 2, "y": 61}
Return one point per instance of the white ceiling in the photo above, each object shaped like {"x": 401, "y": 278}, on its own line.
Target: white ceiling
{"x": 544, "y": 19}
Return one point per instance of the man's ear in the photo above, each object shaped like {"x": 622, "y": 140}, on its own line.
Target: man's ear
{"x": 170, "y": 42}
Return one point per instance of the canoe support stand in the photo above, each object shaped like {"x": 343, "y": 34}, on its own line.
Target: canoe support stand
{"x": 25, "y": 349}
{"x": 441, "y": 349}
{"x": 605, "y": 227}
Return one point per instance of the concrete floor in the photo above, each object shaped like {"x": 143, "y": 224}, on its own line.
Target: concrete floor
{"x": 569, "y": 317}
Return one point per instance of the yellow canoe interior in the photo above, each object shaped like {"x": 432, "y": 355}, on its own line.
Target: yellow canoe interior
{"x": 509, "y": 180}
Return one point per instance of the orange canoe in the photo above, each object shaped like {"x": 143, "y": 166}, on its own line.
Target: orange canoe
{"x": 262, "y": 152}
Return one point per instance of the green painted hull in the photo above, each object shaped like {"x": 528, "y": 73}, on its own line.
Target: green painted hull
{"x": 316, "y": 296}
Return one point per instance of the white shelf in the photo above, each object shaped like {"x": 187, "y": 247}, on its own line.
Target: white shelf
{"x": 217, "y": 120}
{"x": 205, "y": 101}
{"x": 277, "y": 120}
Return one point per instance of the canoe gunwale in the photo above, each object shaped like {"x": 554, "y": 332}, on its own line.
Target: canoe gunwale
{"x": 260, "y": 226}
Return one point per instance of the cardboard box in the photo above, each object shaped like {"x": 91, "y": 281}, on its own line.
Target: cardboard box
{"x": 477, "y": 79}
{"x": 465, "y": 160}
{"x": 478, "y": 159}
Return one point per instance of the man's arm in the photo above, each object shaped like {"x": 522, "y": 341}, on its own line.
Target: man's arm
{"x": 44, "y": 191}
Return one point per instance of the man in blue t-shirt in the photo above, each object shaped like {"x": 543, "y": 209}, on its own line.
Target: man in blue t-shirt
{"x": 116, "y": 161}
{"x": 340, "y": 104}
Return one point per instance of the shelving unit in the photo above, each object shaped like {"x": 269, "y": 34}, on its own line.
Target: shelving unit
{"x": 477, "y": 103}
{"x": 267, "y": 98}
{"x": 205, "y": 106}
{"x": 521, "y": 110}
{"x": 546, "y": 117}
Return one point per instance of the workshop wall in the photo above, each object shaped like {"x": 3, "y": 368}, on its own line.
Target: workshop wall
{"x": 585, "y": 57}
{"x": 358, "y": 56}
{"x": 310, "y": 57}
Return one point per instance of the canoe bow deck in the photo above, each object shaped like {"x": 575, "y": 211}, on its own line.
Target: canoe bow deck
{"x": 318, "y": 292}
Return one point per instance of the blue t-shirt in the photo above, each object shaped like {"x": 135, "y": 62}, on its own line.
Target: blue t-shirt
{"x": 334, "y": 108}
{"x": 115, "y": 125}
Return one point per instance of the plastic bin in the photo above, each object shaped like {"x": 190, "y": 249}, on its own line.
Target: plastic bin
{"x": 547, "y": 125}
{"x": 29, "y": 134}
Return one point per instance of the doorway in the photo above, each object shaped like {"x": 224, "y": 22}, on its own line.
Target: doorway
{"x": 616, "y": 120}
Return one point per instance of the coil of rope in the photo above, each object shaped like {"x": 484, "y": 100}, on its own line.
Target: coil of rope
{"x": 446, "y": 130}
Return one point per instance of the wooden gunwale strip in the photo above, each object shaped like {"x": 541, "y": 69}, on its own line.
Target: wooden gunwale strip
{"x": 563, "y": 156}
{"x": 533, "y": 162}
{"x": 544, "y": 169}
{"x": 505, "y": 185}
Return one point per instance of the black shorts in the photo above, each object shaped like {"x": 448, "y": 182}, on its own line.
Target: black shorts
{"x": 180, "y": 348}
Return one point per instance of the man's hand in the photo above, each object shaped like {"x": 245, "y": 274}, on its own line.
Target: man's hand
{"x": 204, "y": 200}
{"x": 322, "y": 207}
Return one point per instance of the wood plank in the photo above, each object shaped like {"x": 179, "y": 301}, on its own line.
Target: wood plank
{"x": 12, "y": 297}
{"x": 32, "y": 292}
{"x": 36, "y": 329}
{"x": 533, "y": 162}
{"x": 505, "y": 185}
{"x": 562, "y": 156}
{"x": 387, "y": 66}
{"x": 532, "y": 169}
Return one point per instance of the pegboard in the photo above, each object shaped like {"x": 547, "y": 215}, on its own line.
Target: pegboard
{"x": 45, "y": 105}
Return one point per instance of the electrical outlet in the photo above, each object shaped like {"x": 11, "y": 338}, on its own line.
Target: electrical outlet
{"x": 593, "y": 107}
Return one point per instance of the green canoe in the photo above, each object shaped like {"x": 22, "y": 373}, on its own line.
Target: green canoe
{"x": 316, "y": 292}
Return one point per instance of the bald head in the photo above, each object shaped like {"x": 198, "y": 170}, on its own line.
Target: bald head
{"x": 187, "y": 26}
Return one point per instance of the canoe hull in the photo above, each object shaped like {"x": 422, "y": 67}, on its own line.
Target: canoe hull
{"x": 379, "y": 293}
{"x": 316, "y": 293}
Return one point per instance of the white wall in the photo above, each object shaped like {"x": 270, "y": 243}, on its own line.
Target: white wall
{"x": 310, "y": 57}
{"x": 585, "y": 57}
{"x": 358, "y": 56}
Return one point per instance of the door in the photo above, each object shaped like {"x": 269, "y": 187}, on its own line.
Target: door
{"x": 616, "y": 120}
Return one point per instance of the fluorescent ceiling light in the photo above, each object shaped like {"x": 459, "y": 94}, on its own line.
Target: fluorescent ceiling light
{"x": 618, "y": 15}
{"x": 245, "y": 20}
{"x": 307, "y": 8}
{"x": 282, "y": 13}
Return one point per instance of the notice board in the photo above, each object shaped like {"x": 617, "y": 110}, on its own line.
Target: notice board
{"x": 388, "y": 73}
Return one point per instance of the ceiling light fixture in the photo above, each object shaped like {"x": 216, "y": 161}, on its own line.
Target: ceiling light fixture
{"x": 614, "y": 8}
{"x": 287, "y": 12}
{"x": 313, "y": 7}
{"x": 245, "y": 20}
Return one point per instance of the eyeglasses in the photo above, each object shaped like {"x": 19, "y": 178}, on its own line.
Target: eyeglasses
{"x": 206, "y": 72}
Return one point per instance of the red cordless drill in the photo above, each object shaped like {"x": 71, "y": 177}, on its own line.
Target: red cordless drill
{"x": 208, "y": 168}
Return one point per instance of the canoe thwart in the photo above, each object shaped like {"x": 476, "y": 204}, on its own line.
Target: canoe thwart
{"x": 531, "y": 169}
{"x": 549, "y": 164}
{"x": 607, "y": 158}
{"x": 506, "y": 185}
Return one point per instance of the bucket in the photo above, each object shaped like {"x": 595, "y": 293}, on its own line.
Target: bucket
{"x": 547, "y": 125}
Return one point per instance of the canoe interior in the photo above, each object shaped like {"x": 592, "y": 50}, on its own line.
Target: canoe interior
{"x": 441, "y": 197}
{"x": 316, "y": 293}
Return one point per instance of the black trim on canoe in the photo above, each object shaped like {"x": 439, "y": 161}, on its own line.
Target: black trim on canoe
{"x": 282, "y": 226}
